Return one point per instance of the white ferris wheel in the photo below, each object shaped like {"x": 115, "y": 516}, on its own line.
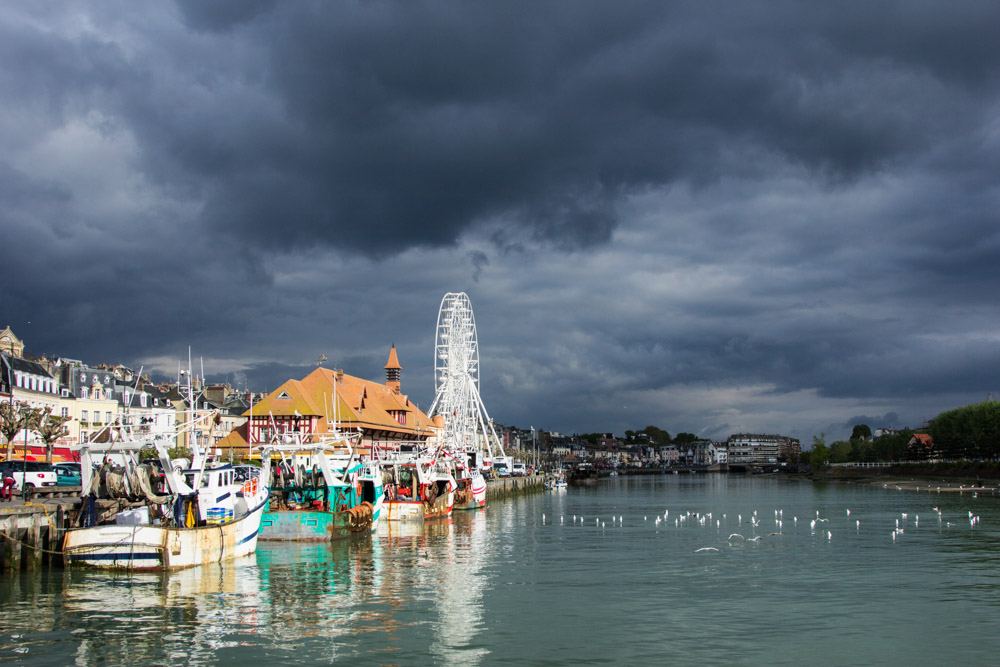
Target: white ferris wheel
{"x": 468, "y": 427}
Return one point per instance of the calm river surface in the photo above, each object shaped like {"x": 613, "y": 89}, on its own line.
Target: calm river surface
{"x": 509, "y": 585}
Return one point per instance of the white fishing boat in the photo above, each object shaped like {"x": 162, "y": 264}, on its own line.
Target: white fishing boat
{"x": 465, "y": 467}
{"x": 162, "y": 514}
{"x": 417, "y": 488}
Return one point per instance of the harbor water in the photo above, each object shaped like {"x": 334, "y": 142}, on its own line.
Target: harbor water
{"x": 602, "y": 575}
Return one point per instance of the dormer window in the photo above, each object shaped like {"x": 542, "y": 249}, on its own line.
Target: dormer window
{"x": 283, "y": 395}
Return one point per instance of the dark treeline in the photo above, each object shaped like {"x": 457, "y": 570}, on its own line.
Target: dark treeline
{"x": 969, "y": 432}
{"x": 972, "y": 431}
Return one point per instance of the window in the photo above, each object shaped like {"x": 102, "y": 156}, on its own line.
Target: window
{"x": 65, "y": 412}
{"x": 84, "y": 392}
{"x": 107, "y": 417}
{"x": 97, "y": 416}
{"x": 84, "y": 416}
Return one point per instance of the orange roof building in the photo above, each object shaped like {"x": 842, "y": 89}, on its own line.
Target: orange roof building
{"x": 313, "y": 405}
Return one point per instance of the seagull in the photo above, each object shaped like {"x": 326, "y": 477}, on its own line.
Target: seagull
{"x": 754, "y": 539}
{"x": 829, "y": 536}
{"x": 705, "y": 549}
{"x": 733, "y": 536}
{"x": 893, "y": 536}
{"x": 848, "y": 512}
{"x": 812, "y": 525}
{"x": 857, "y": 525}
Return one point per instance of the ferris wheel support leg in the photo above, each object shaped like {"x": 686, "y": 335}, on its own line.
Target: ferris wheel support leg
{"x": 492, "y": 431}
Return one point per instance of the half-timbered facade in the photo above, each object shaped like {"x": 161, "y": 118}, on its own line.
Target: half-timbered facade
{"x": 326, "y": 399}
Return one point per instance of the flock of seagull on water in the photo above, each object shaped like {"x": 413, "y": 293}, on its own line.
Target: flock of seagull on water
{"x": 817, "y": 523}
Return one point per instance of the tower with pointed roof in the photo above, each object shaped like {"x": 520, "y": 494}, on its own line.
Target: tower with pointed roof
{"x": 10, "y": 343}
{"x": 393, "y": 370}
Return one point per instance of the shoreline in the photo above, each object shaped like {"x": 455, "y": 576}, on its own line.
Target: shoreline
{"x": 960, "y": 481}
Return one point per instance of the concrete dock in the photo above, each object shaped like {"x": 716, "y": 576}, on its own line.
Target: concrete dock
{"x": 505, "y": 487}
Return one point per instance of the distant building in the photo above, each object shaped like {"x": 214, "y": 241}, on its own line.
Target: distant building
{"x": 921, "y": 446}
{"x": 761, "y": 449}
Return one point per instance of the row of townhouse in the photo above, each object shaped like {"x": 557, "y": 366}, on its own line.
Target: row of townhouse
{"x": 97, "y": 399}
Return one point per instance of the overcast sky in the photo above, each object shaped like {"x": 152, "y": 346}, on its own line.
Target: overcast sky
{"x": 713, "y": 217}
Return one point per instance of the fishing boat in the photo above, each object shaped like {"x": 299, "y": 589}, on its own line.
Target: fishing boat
{"x": 556, "y": 482}
{"x": 417, "y": 488}
{"x": 470, "y": 493}
{"x": 584, "y": 474}
{"x": 320, "y": 491}
{"x": 162, "y": 514}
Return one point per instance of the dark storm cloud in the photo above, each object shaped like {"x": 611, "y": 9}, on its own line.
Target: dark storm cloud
{"x": 382, "y": 126}
{"x": 656, "y": 204}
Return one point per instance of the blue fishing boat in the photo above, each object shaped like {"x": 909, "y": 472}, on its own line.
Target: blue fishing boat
{"x": 320, "y": 492}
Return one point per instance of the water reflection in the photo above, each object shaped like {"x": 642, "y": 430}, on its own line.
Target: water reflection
{"x": 502, "y": 584}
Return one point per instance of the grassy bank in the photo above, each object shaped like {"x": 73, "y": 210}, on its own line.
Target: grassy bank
{"x": 953, "y": 473}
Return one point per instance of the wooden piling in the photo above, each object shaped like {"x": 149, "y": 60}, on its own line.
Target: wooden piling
{"x": 14, "y": 537}
{"x": 4, "y": 545}
{"x": 35, "y": 543}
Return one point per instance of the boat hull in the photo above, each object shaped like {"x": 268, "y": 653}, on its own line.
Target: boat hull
{"x": 415, "y": 510}
{"x": 313, "y": 526}
{"x": 114, "y": 547}
{"x": 474, "y": 500}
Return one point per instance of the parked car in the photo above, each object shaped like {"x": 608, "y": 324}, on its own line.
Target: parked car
{"x": 519, "y": 470}
{"x": 67, "y": 474}
{"x": 38, "y": 473}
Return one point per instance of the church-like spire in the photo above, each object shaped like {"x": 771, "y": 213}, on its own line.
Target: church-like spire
{"x": 393, "y": 370}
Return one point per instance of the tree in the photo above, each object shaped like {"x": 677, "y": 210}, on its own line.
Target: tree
{"x": 657, "y": 435}
{"x": 972, "y": 430}
{"x": 685, "y": 438}
{"x": 12, "y": 420}
{"x": 51, "y": 429}
{"x": 819, "y": 455}
{"x": 861, "y": 432}
{"x": 840, "y": 451}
